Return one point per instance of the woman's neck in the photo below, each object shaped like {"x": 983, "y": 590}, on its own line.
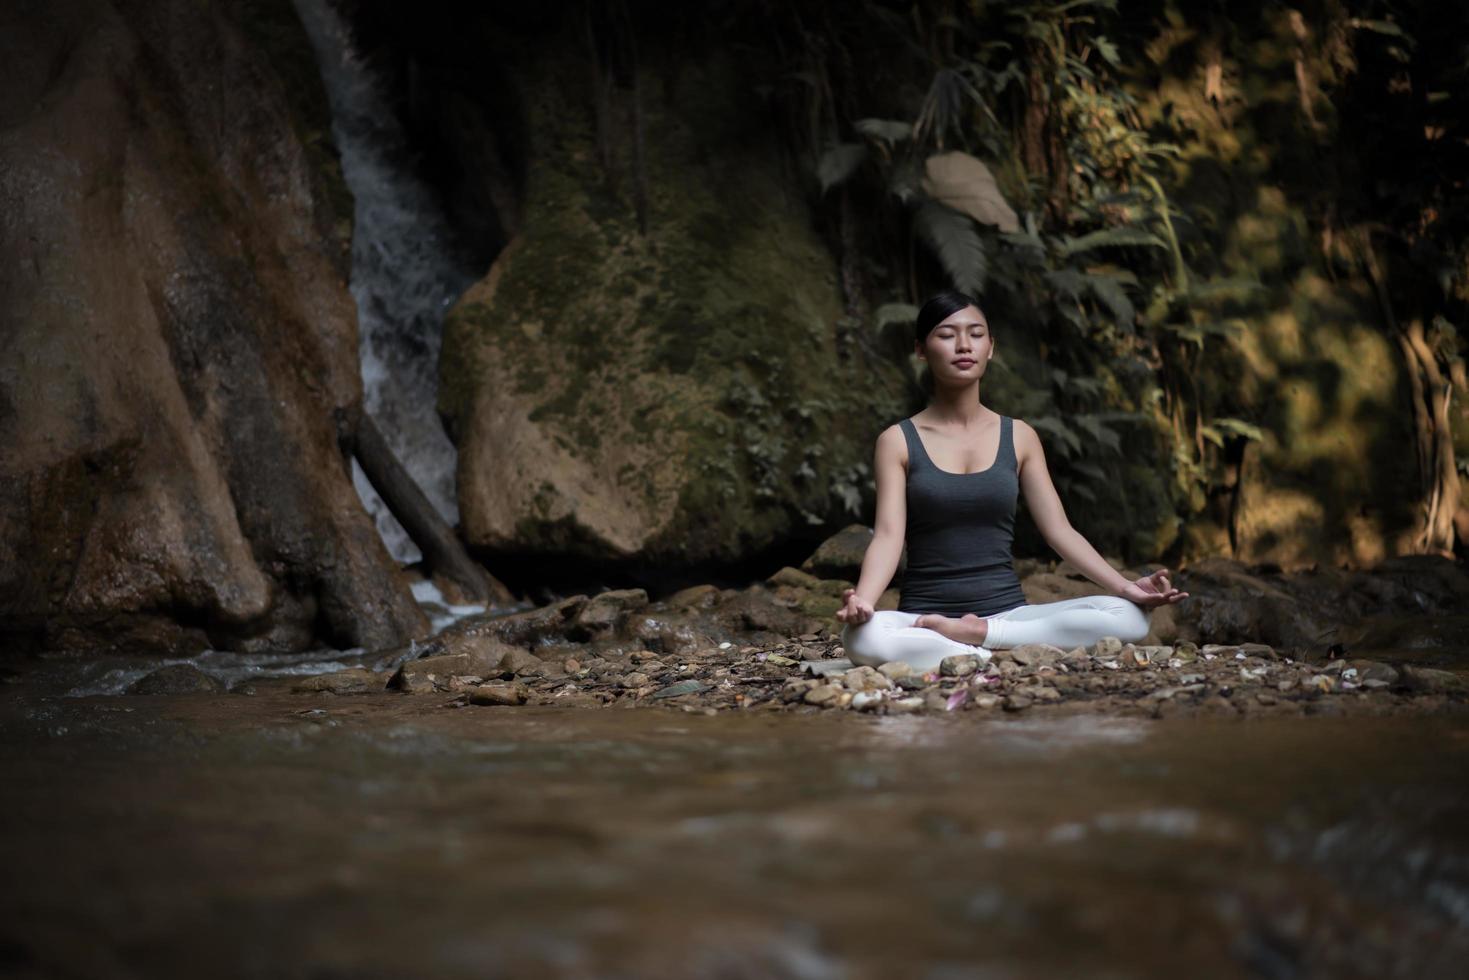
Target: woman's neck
{"x": 957, "y": 406}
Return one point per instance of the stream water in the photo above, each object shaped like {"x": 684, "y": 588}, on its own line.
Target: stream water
{"x": 281, "y": 835}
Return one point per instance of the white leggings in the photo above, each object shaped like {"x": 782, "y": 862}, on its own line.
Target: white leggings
{"x": 891, "y": 635}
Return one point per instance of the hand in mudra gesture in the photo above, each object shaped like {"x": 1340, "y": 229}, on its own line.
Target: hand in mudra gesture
{"x": 1153, "y": 590}
{"x": 854, "y": 609}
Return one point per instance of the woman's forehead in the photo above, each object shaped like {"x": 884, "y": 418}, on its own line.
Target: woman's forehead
{"x": 969, "y": 316}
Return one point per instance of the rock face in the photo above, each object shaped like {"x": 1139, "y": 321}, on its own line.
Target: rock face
{"x": 682, "y": 392}
{"x": 178, "y": 351}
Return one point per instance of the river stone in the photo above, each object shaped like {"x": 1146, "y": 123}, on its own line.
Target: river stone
{"x": 176, "y": 679}
{"x": 866, "y": 701}
{"x": 518, "y": 662}
{"x": 694, "y": 597}
{"x": 840, "y": 556}
{"x": 893, "y": 670}
{"x": 794, "y": 578}
{"x": 905, "y": 706}
{"x": 602, "y": 611}
{"x": 960, "y": 665}
{"x": 681, "y": 688}
{"x": 509, "y": 695}
{"x": 1431, "y": 680}
{"x": 865, "y": 679}
{"x": 1375, "y": 671}
{"x": 1107, "y": 648}
{"x": 1033, "y": 654}
{"x": 357, "y": 680}
{"x": 824, "y": 694}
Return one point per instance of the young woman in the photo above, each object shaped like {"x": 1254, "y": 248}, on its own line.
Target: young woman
{"x": 947, "y": 480}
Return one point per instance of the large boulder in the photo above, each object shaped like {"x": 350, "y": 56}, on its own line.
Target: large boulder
{"x": 682, "y": 393}
{"x": 178, "y": 350}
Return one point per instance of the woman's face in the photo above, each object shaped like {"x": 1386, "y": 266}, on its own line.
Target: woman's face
{"x": 959, "y": 349}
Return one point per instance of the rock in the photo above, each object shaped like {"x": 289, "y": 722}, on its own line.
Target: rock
{"x": 1107, "y": 648}
{"x": 827, "y": 668}
{"x": 509, "y": 695}
{"x": 986, "y": 701}
{"x": 654, "y": 443}
{"x": 960, "y": 665}
{"x": 681, "y": 688}
{"x": 794, "y": 578}
{"x": 1077, "y": 659}
{"x": 1033, "y": 654}
{"x": 895, "y": 669}
{"x": 635, "y": 679}
{"x": 176, "y": 679}
{"x": 601, "y": 612}
{"x": 1261, "y": 650}
{"x": 823, "y": 694}
{"x": 174, "y": 415}
{"x": 517, "y": 662}
{"x": 905, "y": 706}
{"x": 1016, "y": 702}
{"x": 478, "y": 656}
{"x": 1133, "y": 656}
{"x": 840, "y": 556}
{"x": 866, "y": 700}
{"x": 522, "y": 628}
{"x": 865, "y": 679}
{"x": 911, "y": 682}
{"x": 357, "y": 680}
{"x": 797, "y": 689}
{"x": 694, "y": 597}
{"x": 1156, "y": 654}
{"x": 935, "y": 700}
{"x": 1430, "y": 680}
{"x": 1373, "y": 671}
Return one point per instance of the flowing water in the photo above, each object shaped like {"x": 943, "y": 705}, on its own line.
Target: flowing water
{"x": 286, "y": 835}
{"x": 406, "y": 272}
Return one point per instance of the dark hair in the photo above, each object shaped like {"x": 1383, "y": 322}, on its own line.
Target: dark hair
{"x": 940, "y": 307}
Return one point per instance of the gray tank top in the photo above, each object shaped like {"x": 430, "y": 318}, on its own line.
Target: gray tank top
{"x": 960, "y": 529}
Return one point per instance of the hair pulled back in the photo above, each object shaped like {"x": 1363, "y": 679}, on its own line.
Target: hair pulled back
{"x": 938, "y": 308}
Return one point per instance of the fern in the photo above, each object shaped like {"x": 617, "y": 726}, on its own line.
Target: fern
{"x": 1111, "y": 238}
{"x": 890, "y": 313}
{"x": 956, "y": 242}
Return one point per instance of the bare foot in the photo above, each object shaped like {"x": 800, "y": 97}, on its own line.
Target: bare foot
{"x": 968, "y": 628}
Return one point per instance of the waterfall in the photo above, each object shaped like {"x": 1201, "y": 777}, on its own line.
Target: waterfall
{"x": 405, "y": 273}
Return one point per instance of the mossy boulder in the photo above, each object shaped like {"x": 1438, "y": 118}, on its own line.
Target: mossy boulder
{"x": 683, "y": 391}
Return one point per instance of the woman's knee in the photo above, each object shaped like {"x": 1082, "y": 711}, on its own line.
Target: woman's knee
{"x": 864, "y": 641}
{"x": 1132, "y": 620}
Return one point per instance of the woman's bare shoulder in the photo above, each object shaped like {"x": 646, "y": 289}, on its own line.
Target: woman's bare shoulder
{"x": 890, "y": 442}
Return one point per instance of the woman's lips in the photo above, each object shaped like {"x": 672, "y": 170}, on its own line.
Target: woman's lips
{"x": 965, "y": 362}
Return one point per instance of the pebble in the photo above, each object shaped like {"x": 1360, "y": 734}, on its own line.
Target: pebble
{"x": 905, "y": 706}
{"x": 961, "y": 665}
{"x": 895, "y": 669}
{"x": 865, "y": 679}
{"x": 1107, "y": 648}
{"x": 823, "y": 693}
{"x": 866, "y": 700}
{"x": 681, "y": 688}
{"x": 500, "y": 694}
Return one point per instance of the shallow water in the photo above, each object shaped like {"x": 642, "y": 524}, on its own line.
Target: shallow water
{"x": 305, "y": 835}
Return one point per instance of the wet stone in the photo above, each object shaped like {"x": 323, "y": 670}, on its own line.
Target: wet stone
{"x": 895, "y": 669}
{"x": 823, "y": 694}
{"x": 176, "y": 679}
{"x": 508, "y": 695}
{"x": 355, "y": 681}
{"x": 865, "y": 679}
{"x": 690, "y": 686}
{"x": 961, "y": 665}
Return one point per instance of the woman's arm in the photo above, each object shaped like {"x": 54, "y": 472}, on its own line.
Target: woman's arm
{"x": 880, "y": 561}
{"x": 1050, "y": 518}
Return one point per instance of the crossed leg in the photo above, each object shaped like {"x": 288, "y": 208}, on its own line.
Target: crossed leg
{"x": 923, "y": 641}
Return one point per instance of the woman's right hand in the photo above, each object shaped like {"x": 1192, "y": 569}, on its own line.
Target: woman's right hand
{"x": 855, "y": 609}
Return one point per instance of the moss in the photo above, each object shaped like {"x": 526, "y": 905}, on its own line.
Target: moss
{"x": 709, "y": 342}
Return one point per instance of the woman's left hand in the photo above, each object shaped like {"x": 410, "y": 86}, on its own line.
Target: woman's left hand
{"x": 1153, "y": 590}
